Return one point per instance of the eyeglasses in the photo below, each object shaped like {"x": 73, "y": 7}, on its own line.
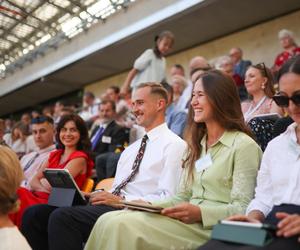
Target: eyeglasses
{"x": 284, "y": 101}
{"x": 41, "y": 119}
{"x": 262, "y": 66}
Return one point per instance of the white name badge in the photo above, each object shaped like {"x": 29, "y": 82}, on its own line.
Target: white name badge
{"x": 203, "y": 163}
{"x": 106, "y": 139}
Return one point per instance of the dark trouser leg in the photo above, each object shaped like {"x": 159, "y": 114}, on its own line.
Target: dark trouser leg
{"x": 69, "y": 227}
{"x": 34, "y": 225}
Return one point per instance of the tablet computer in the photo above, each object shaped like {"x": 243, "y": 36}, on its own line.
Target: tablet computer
{"x": 249, "y": 224}
{"x": 241, "y": 232}
{"x": 140, "y": 206}
{"x": 61, "y": 180}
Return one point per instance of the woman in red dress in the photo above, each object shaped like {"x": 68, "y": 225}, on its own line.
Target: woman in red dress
{"x": 73, "y": 154}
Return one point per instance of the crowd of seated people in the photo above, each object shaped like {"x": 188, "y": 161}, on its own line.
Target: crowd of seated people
{"x": 226, "y": 112}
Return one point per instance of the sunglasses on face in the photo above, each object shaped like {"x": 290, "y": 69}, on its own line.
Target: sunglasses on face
{"x": 284, "y": 101}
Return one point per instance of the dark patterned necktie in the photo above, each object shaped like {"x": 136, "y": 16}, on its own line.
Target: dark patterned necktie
{"x": 135, "y": 166}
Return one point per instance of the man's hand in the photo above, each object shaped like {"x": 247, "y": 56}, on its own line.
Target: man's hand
{"x": 289, "y": 225}
{"x": 185, "y": 212}
{"x": 104, "y": 198}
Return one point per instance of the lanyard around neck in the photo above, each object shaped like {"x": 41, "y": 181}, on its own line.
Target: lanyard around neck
{"x": 251, "y": 110}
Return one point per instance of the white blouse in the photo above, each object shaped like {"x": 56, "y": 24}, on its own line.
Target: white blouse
{"x": 150, "y": 68}
{"x": 278, "y": 179}
{"x": 12, "y": 239}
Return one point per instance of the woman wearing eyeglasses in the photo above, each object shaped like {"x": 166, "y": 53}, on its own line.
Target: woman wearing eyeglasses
{"x": 277, "y": 198}
{"x": 259, "y": 84}
{"x": 72, "y": 154}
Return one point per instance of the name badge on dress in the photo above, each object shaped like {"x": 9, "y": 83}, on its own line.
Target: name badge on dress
{"x": 106, "y": 139}
{"x": 203, "y": 163}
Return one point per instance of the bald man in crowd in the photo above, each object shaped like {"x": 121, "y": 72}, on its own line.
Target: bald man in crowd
{"x": 196, "y": 63}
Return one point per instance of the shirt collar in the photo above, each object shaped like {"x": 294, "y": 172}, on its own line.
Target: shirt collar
{"x": 291, "y": 132}
{"x": 45, "y": 150}
{"x": 226, "y": 139}
{"x": 157, "y": 131}
{"x": 105, "y": 124}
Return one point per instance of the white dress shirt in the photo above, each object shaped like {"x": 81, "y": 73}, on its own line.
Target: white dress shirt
{"x": 43, "y": 155}
{"x": 160, "y": 169}
{"x": 91, "y": 111}
{"x": 278, "y": 179}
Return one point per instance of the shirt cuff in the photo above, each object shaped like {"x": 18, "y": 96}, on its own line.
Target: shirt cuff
{"x": 256, "y": 205}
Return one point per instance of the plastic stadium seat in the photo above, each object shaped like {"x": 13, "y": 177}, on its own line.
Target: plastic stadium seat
{"x": 105, "y": 184}
{"x": 88, "y": 185}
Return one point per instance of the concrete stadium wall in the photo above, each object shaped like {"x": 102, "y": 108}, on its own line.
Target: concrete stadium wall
{"x": 259, "y": 43}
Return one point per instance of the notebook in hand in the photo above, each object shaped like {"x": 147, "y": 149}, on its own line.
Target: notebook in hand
{"x": 140, "y": 206}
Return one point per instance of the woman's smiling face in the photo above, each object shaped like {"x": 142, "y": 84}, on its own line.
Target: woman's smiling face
{"x": 69, "y": 134}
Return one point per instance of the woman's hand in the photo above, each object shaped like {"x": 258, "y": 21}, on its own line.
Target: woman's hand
{"x": 289, "y": 225}
{"x": 46, "y": 185}
{"x": 185, "y": 212}
{"x": 244, "y": 218}
{"x": 255, "y": 216}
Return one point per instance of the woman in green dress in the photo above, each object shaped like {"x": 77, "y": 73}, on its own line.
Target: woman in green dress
{"x": 220, "y": 170}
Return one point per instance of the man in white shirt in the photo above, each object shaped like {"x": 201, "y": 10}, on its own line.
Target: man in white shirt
{"x": 43, "y": 135}
{"x": 157, "y": 177}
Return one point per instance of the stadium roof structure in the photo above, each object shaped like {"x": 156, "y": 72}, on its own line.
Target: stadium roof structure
{"x": 29, "y": 28}
{"x": 105, "y": 46}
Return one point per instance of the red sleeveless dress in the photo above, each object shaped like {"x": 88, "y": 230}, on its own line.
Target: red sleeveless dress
{"x": 29, "y": 198}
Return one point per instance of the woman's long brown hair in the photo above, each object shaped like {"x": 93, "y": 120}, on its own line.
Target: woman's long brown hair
{"x": 223, "y": 96}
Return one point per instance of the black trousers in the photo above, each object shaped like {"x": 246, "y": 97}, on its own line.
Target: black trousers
{"x": 66, "y": 228}
{"x": 278, "y": 243}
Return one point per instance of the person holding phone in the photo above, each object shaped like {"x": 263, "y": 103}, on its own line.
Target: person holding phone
{"x": 277, "y": 195}
{"x": 72, "y": 154}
